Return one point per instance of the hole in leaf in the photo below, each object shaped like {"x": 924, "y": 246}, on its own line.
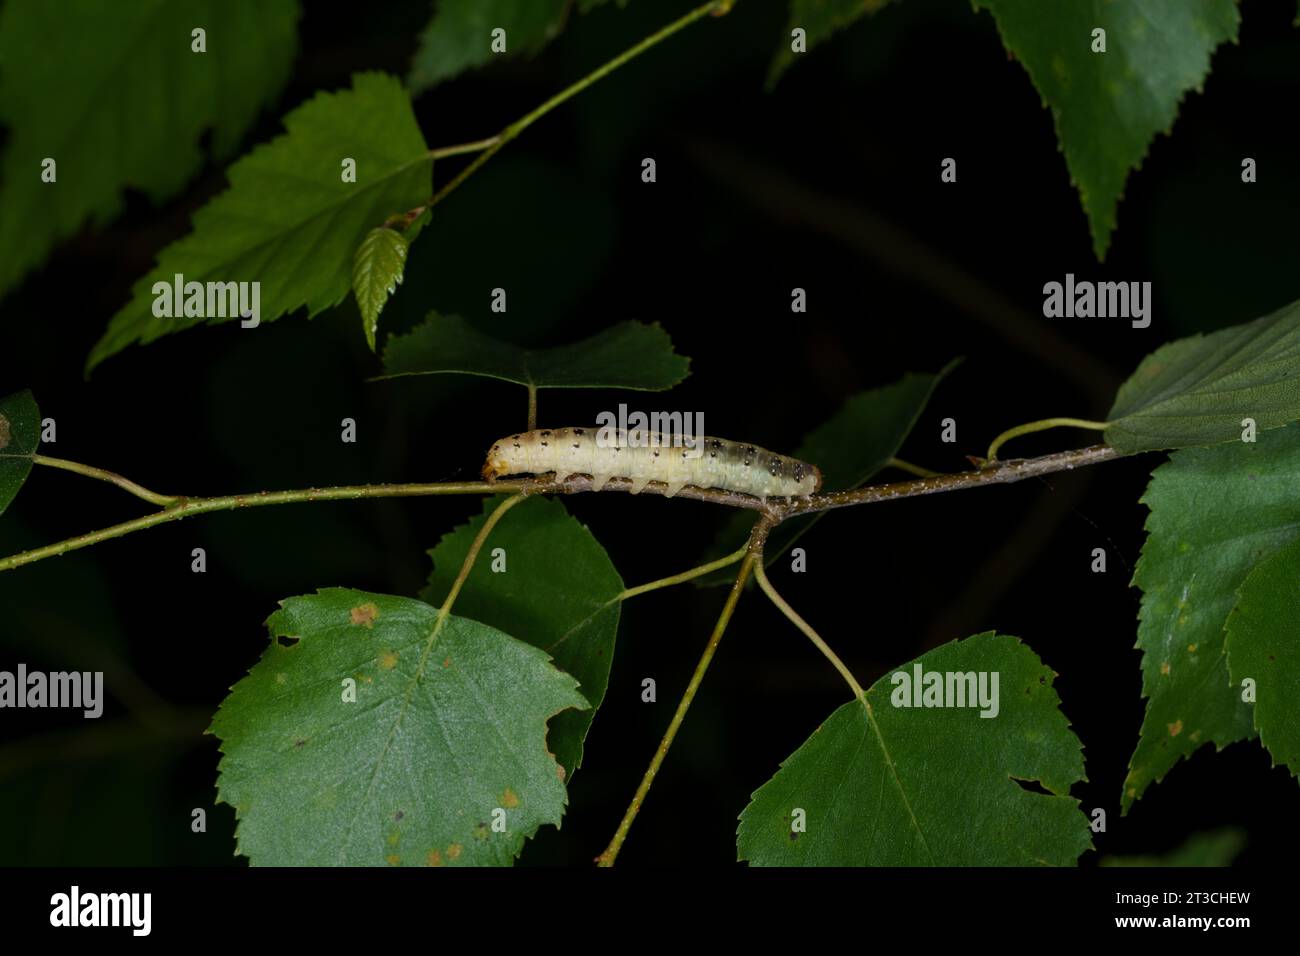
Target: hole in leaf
{"x": 1033, "y": 786}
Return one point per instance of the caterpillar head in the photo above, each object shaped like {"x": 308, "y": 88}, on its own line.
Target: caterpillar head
{"x": 496, "y": 464}
{"x": 808, "y": 476}
{"x": 506, "y": 457}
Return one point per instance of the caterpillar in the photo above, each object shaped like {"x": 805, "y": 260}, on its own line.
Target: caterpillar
{"x": 726, "y": 465}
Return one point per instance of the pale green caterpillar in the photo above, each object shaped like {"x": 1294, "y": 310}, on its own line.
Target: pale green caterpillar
{"x": 727, "y": 465}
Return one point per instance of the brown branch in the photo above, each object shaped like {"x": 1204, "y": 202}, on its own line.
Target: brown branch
{"x": 777, "y": 509}
{"x": 997, "y": 473}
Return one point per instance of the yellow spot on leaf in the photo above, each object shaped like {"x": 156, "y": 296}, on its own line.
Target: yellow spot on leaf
{"x": 1164, "y": 668}
{"x": 393, "y": 859}
{"x": 446, "y": 662}
{"x": 1191, "y": 648}
{"x": 509, "y": 799}
{"x": 280, "y": 678}
{"x": 453, "y": 851}
{"x": 393, "y": 838}
{"x": 559, "y": 772}
{"x": 1175, "y": 728}
{"x": 434, "y": 858}
{"x": 388, "y": 660}
{"x": 1194, "y": 735}
{"x": 363, "y": 615}
{"x": 1132, "y": 791}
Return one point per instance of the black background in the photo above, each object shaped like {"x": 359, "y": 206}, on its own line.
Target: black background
{"x": 829, "y": 183}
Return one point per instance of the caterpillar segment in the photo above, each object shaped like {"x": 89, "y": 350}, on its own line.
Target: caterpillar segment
{"x": 643, "y": 458}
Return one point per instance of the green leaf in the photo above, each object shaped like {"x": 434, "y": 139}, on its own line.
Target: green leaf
{"x": 1215, "y": 514}
{"x": 1261, "y": 646}
{"x": 629, "y": 355}
{"x": 893, "y": 785}
{"x": 550, "y": 589}
{"x": 288, "y": 220}
{"x": 819, "y": 19}
{"x": 376, "y": 274}
{"x": 20, "y": 433}
{"x": 445, "y": 734}
{"x": 849, "y": 448}
{"x": 114, "y": 95}
{"x": 459, "y": 37}
{"x": 1212, "y": 848}
{"x": 1108, "y": 107}
{"x": 1197, "y": 390}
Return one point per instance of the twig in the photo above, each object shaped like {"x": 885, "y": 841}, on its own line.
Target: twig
{"x": 808, "y": 631}
{"x": 775, "y": 509}
{"x": 103, "y": 475}
{"x": 753, "y": 558}
{"x": 1039, "y": 426}
{"x": 495, "y": 143}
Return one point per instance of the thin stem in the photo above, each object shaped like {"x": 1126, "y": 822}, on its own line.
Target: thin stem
{"x": 124, "y": 483}
{"x": 532, "y": 407}
{"x": 804, "y": 626}
{"x": 519, "y": 125}
{"x": 472, "y": 555}
{"x": 992, "y": 474}
{"x": 685, "y": 576}
{"x": 195, "y": 506}
{"x": 1040, "y": 426}
{"x": 911, "y": 469}
{"x": 652, "y": 586}
{"x": 753, "y": 551}
{"x": 477, "y": 146}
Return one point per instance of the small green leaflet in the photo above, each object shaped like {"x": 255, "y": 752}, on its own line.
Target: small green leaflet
{"x": 819, "y": 19}
{"x": 20, "y": 433}
{"x": 1216, "y": 513}
{"x": 1212, "y": 848}
{"x": 444, "y": 745}
{"x": 376, "y": 274}
{"x": 290, "y": 220}
{"x": 551, "y": 589}
{"x": 629, "y": 355}
{"x": 1263, "y": 638}
{"x": 70, "y": 70}
{"x": 460, "y": 36}
{"x": 1108, "y": 107}
{"x": 1198, "y": 390}
{"x": 877, "y": 786}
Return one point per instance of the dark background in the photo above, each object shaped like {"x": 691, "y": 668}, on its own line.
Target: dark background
{"x": 830, "y": 183}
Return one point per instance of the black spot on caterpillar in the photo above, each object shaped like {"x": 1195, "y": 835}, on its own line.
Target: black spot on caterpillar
{"x": 726, "y": 465}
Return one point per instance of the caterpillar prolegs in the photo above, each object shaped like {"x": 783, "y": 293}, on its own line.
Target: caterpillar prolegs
{"x": 648, "y": 457}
